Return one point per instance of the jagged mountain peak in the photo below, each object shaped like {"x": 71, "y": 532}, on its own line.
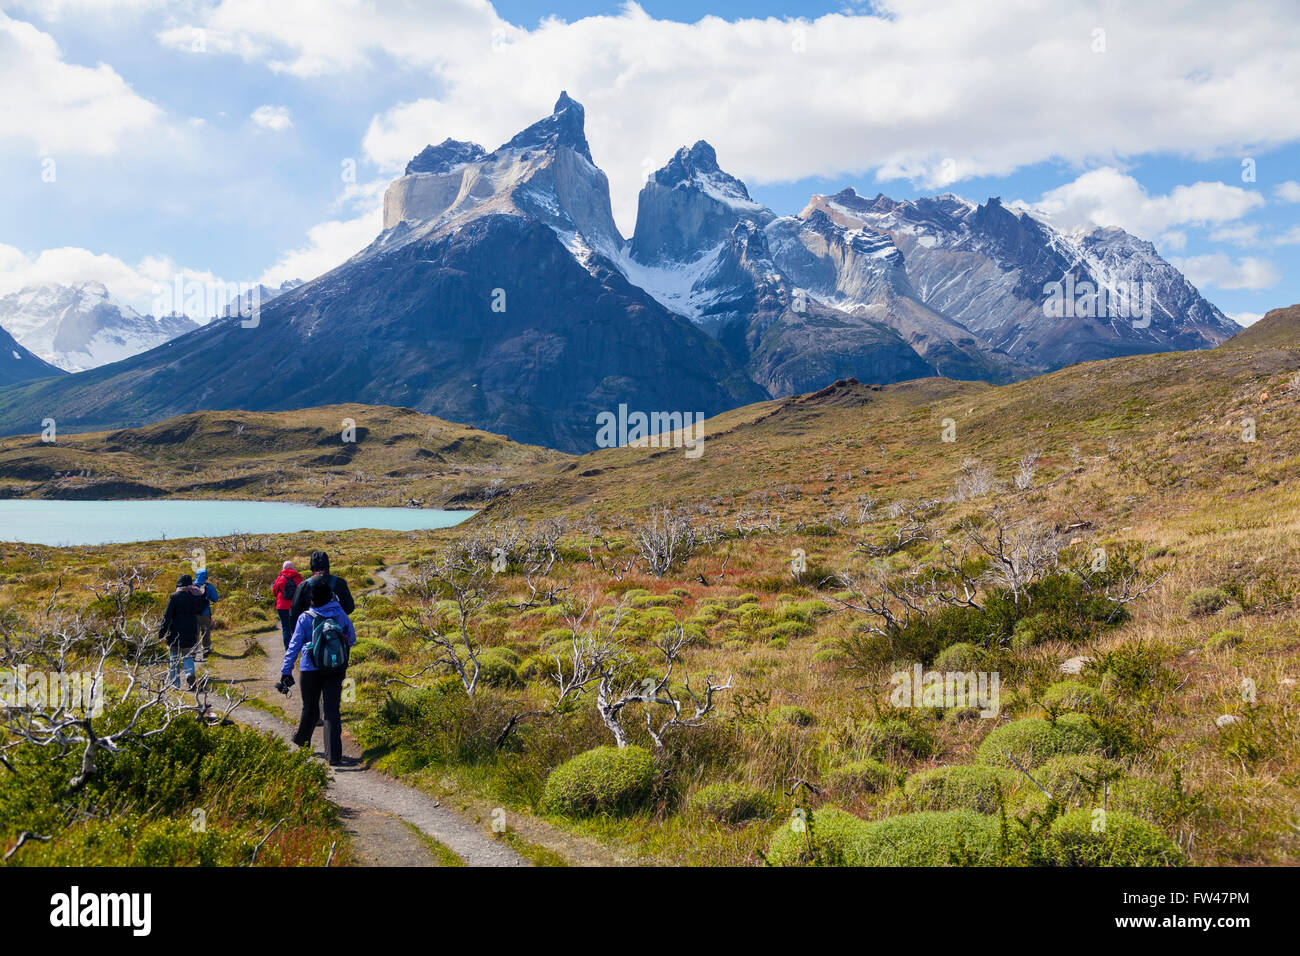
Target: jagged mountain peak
{"x": 690, "y": 206}
{"x": 566, "y": 126}
{"x": 445, "y": 157}
{"x": 698, "y": 166}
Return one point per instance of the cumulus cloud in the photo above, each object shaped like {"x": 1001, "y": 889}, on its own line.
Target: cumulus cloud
{"x": 60, "y": 107}
{"x": 1246, "y": 318}
{"x": 1221, "y": 270}
{"x": 1108, "y": 197}
{"x": 272, "y": 117}
{"x": 1288, "y": 191}
{"x": 934, "y": 91}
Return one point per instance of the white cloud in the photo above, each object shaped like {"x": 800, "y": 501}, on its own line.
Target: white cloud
{"x": 1246, "y": 234}
{"x": 59, "y": 107}
{"x": 1108, "y": 197}
{"x": 333, "y": 242}
{"x": 1246, "y": 318}
{"x": 1288, "y": 191}
{"x": 272, "y": 117}
{"x": 1289, "y": 238}
{"x": 991, "y": 87}
{"x": 1219, "y": 269}
{"x": 138, "y": 285}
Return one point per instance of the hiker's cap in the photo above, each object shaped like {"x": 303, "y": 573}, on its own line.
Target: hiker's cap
{"x": 320, "y": 561}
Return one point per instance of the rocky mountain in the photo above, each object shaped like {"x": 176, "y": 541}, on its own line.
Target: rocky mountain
{"x": 488, "y": 299}
{"x": 501, "y": 294}
{"x": 78, "y": 327}
{"x": 17, "y": 364}
{"x": 1045, "y": 297}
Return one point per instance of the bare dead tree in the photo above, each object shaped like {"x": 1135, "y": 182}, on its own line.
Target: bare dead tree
{"x": 64, "y": 671}
{"x": 1019, "y": 552}
{"x": 664, "y": 539}
{"x": 451, "y": 631}
{"x": 913, "y": 527}
{"x": 1025, "y": 471}
{"x": 599, "y": 660}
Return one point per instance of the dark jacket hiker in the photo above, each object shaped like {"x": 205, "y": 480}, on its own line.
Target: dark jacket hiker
{"x": 180, "y": 623}
{"x": 320, "y": 570}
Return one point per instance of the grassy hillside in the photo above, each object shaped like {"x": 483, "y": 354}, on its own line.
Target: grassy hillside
{"x": 1279, "y": 328}
{"x": 395, "y": 456}
{"x": 1118, "y": 542}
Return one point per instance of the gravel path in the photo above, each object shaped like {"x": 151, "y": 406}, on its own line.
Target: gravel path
{"x": 366, "y": 795}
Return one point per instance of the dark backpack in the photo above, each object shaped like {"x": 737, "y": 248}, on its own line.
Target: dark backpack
{"x": 289, "y": 590}
{"x": 328, "y": 649}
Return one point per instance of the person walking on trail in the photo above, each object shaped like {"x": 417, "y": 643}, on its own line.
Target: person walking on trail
{"x": 180, "y": 629}
{"x": 205, "y": 619}
{"x": 285, "y": 589}
{"x": 322, "y": 640}
{"x": 320, "y": 570}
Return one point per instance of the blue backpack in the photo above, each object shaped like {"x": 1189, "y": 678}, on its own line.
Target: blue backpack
{"x": 328, "y": 649}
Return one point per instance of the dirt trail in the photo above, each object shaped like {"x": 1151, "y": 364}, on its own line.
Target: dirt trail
{"x": 373, "y": 804}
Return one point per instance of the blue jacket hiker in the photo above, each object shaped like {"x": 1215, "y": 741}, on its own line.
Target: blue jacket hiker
{"x": 324, "y": 634}
{"x": 205, "y": 619}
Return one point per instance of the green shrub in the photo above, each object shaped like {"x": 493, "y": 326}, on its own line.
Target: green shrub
{"x": 832, "y": 837}
{"x": 860, "y": 776}
{"x": 892, "y": 737}
{"x": 959, "y": 657}
{"x": 1124, "y": 841}
{"x": 961, "y": 787}
{"x": 1205, "y": 601}
{"x": 603, "y": 780}
{"x": 496, "y": 669}
{"x": 794, "y": 714}
{"x": 1031, "y": 741}
{"x": 372, "y": 649}
{"x": 1070, "y": 778}
{"x": 1069, "y": 695}
{"x": 1224, "y": 640}
{"x": 731, "y": 803}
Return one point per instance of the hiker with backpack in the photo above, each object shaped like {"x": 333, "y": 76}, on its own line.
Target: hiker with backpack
{"x": 285, "y": 590}
{"x": 322, "y": 640}
{"x": 205, "y": 618}
{"x": 320, "y": 570}
{"x": 180, "y": 629}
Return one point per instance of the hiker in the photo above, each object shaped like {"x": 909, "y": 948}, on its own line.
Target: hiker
{"x": 285, "y": 590}
{"x": 321, "y": 642}
{"x": 180, "y": 628}
{"x": 205, "y": 619}
{"x": 320, "y": 570}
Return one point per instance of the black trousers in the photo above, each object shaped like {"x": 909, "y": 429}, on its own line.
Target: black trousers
{"x": 314, "y": 687}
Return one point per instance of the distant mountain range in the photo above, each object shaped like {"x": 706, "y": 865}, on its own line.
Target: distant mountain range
{"x": 84, "y": 326}
{"x": 501, "y": 294}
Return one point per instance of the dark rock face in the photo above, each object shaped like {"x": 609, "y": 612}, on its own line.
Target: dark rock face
{"x": 443, "y": 157}
{"x": 416, "y": 327}
{"x": 19, "y": 365}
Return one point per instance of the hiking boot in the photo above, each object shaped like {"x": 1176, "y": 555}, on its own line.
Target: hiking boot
{"x": 191, "y": 682}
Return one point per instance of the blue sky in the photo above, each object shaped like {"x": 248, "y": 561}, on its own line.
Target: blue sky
{"x": 244, "y": 141}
